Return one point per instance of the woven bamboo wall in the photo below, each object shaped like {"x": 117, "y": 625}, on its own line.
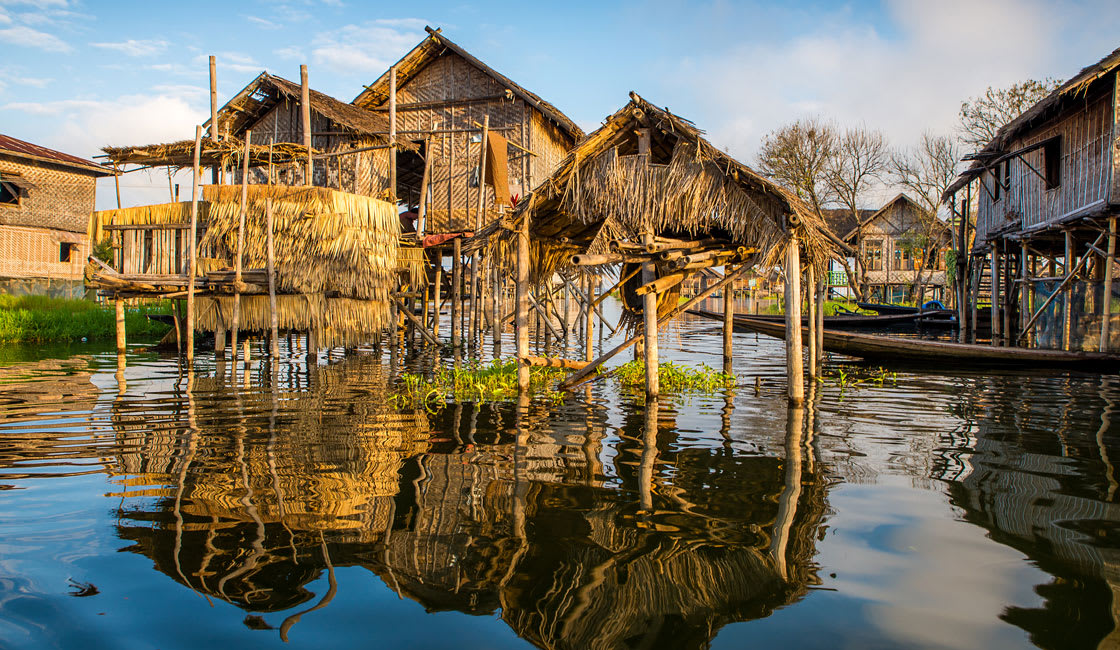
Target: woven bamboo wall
{"x": 1086, "y": 170}
{"x": 62, "y": 199}
{"x": 365, "y": 173}
{"x": 34, "y": 253}
{"x": 455, "y": 157}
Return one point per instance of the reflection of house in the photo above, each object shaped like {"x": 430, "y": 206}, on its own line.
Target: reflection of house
{"x": 902, "y": 250}
{"x": 46, "y": 198}
{"x": 1046, "y": 188}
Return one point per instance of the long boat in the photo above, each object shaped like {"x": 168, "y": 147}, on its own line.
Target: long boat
{"x": 849, "y": 321}
{"x": 947, "y": 355}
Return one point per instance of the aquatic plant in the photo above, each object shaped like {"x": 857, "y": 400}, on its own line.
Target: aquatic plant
{"x": 34, "y": 319}
{"x": 490, "y": 382}
{"x": 675, "y": 378}
{"x": 846, "y": 377}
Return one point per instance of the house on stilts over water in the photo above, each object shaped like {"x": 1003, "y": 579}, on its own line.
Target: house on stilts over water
{"x": 344, "y": 260}
{"x": 1047, "y": 191}
{"x": 647, "y": 198}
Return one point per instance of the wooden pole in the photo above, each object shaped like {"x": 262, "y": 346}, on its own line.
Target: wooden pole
{"x": 728, "y": 322}
{"x": 425, "y": 181}
{"x": 274, "y": 347}
{"x": 393, "y": 135}
{"x": 213, "y": 99}
{"x": 818, "y": 360}
{"x": 476, "y": 281}
{"x": 1106, "y": 297}
{"x": 437, "y": 303}
{"x": 997, "y": 322}
{"x": 1067, "y": 296}
{"x": 192, "y": 259}
{"x": 649, "y": 318}
{"x": 456, "y": 292}
{"x": 240, "y": 248}
{"x": 521, "y": 309}
{"x": 973, "y": 302}
{"x": 795, "y": 366}
{"x": 118, "y": 305}
{"x": 811, "y": 280}
{"x": 589, "y": 323}
{"x": 117, "y": 184}
{"x": 305, "y": 110}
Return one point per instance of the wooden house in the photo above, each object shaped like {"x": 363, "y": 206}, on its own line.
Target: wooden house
{"x": 46, "y": 198}
{"x": 443, "y": 97}
{"x": 902, "y": 251}
{"x": 1047, "y": 194}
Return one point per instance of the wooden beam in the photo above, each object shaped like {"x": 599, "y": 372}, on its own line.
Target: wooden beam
{"x": 521, "y": 309}
{"x": 728, "y": 323}
{"x": 795, "y": 368}
{"x": 1068, "y": 278}
{"x": 305, "y": 111}
{"x": 192, "y": 259}
{"x": 213, "y": 100}
{"x": 1106, "y": 297}
{"x": 393, "y": 135}
{"x": 240, "y": 247}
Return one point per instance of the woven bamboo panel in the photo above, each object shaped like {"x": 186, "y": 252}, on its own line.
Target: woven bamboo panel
{"x": 62, "y": 199}
{"x": 35, "y": 252}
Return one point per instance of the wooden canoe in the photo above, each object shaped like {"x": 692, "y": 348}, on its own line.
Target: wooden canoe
{"x": 947, "y": 355}
{"x": 842, "y": 321}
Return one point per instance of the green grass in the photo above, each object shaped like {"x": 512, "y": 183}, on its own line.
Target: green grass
{"x": 831, "y": 308}
{"x": 492, "y": 382}
{"x": 674, "y": 378}
{"x": 33, "y": 319}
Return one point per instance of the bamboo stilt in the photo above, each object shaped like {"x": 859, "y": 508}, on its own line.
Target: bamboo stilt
{"x": 819, "y": 359}
{"x": 649, "y": 318}
{"x": 274, "y": 347}
{"x": 589, "y": 323}
{"x": 240, "y": 247}
{"x": 728, "y": 323}
{"x": 795, "y": 366}
{"x": 521, "y": 309}
{"x": 192, "y": 259}
{"x": 213, "y": 100}
{"x": 305, "y": 113}
{"x": 456, "y": 293}
{"x": 1067, "y": 295}
{"x": 997, "y": 322}
{"x": 118, "y": 306}
{"x": 1106, "y": 298}
{"x": 811, "y": 282}
{"x": 437, "y": 303}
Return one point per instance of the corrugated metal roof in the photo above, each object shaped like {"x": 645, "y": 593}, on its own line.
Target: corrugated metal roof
{"x": 18, "y": 147}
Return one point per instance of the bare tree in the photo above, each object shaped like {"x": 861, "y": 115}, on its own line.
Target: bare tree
{"x": 859, "y": 162}
{"x": 981, "y": 117}
{"x": 926, "y": 171}
{"x": 798, "y": 156}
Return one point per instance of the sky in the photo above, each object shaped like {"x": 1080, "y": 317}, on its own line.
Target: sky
{"x": 77, "y": 75}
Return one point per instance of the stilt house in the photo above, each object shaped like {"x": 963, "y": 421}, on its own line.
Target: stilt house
{"x": 46, "y": 199}
{"x": 1047, "y": 191}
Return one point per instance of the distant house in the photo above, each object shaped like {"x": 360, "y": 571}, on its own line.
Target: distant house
{"x": 46, "y": 199}
{"x": 901, "y": 248}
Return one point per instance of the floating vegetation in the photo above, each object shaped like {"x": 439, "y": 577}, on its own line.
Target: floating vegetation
{"x": 851, "y": 376}
{"x": 491, "y": 382}
{"x": 675, "y": 378}
{"x": 35, "y": 319}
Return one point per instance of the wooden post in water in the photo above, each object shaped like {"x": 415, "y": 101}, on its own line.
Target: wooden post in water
{"x": 393, "y": 136}
{"x": 274, "y": 346}
{"x": 589, "y": 323}
{"x": 974, "y": 308}
{"x": 1106, "y": 297}
{"x": 456, "y": 293}
{"x": 496, "y": 306}
{"x": 436, "y": 302}
{"x": 213, "y": 100}
{"x": 521, "y": 309}
{"x": 1067, "y": 294}
{"x": 240, "y": 247}
{"x": 818, "y": 360}
{"x": 649, "y": 317}
{"x": 305, "y": 111}
{"x": 997, "y": 332}
{"x": 811, "y": 290}
{"x": 476, "y": 280}
{"x": 192, "y": 256}
{"x": 118, "y": 306}
{"x": 728, "y": 321}
{"x": 795, "y": 366}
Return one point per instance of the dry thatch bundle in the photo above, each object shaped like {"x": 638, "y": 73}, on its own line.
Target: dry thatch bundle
{"x": 412, "y": 264}
{"x": 326, "y": 241}
{"x": 339, "y": 321}
{"x": 142, "y": 215}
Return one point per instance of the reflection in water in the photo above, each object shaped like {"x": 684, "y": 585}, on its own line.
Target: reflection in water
{"x": 251, "y": 502}
{"x": 596, "y": 522}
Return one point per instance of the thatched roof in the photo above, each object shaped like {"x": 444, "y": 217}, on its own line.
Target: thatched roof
{"x": 437, "y": 45}
{"x": 685, "y": 187}
{"x": 181, "y": 154}
{"x": 244, "y": 110}
{"x": 1076, "y": 86}
{"x": 842, "y": 222}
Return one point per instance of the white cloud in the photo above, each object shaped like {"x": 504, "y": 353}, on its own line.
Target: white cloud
{"x": 12, "y": 74}
{"x": 368, "y": 48}
{"x": 39, "y": 4}
{"x": 5, "y": 19}
{"x": 236, "y": 61}
{"x": 263, "y": 22}
{"x": 28, "y": 37}
{"x": 133, "y": 47}
{"x": 292, "y": 53}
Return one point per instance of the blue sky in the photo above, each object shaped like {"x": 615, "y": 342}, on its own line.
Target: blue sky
{"x": 78, "y": 74}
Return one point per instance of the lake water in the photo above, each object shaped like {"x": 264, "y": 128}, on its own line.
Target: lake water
{"x": 296, "y": 507}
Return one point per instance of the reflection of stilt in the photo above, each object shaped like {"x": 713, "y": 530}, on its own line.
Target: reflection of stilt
{"x": 332, "y": 589}
{"x": 1106, "y": 423}
{"x": 520, "y": 491}
{"x": 181, "y": 481}
{"x": 649, "y": 456}
{"x": 787, "y": 502}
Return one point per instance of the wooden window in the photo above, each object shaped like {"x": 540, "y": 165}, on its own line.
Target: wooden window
{"x": 873, "y": 255}
{"x": 1052, "y": 158}
{"x": 65, "y": 251}
{"x": 9, "y": 194}
{"x": 902, "y": 259}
